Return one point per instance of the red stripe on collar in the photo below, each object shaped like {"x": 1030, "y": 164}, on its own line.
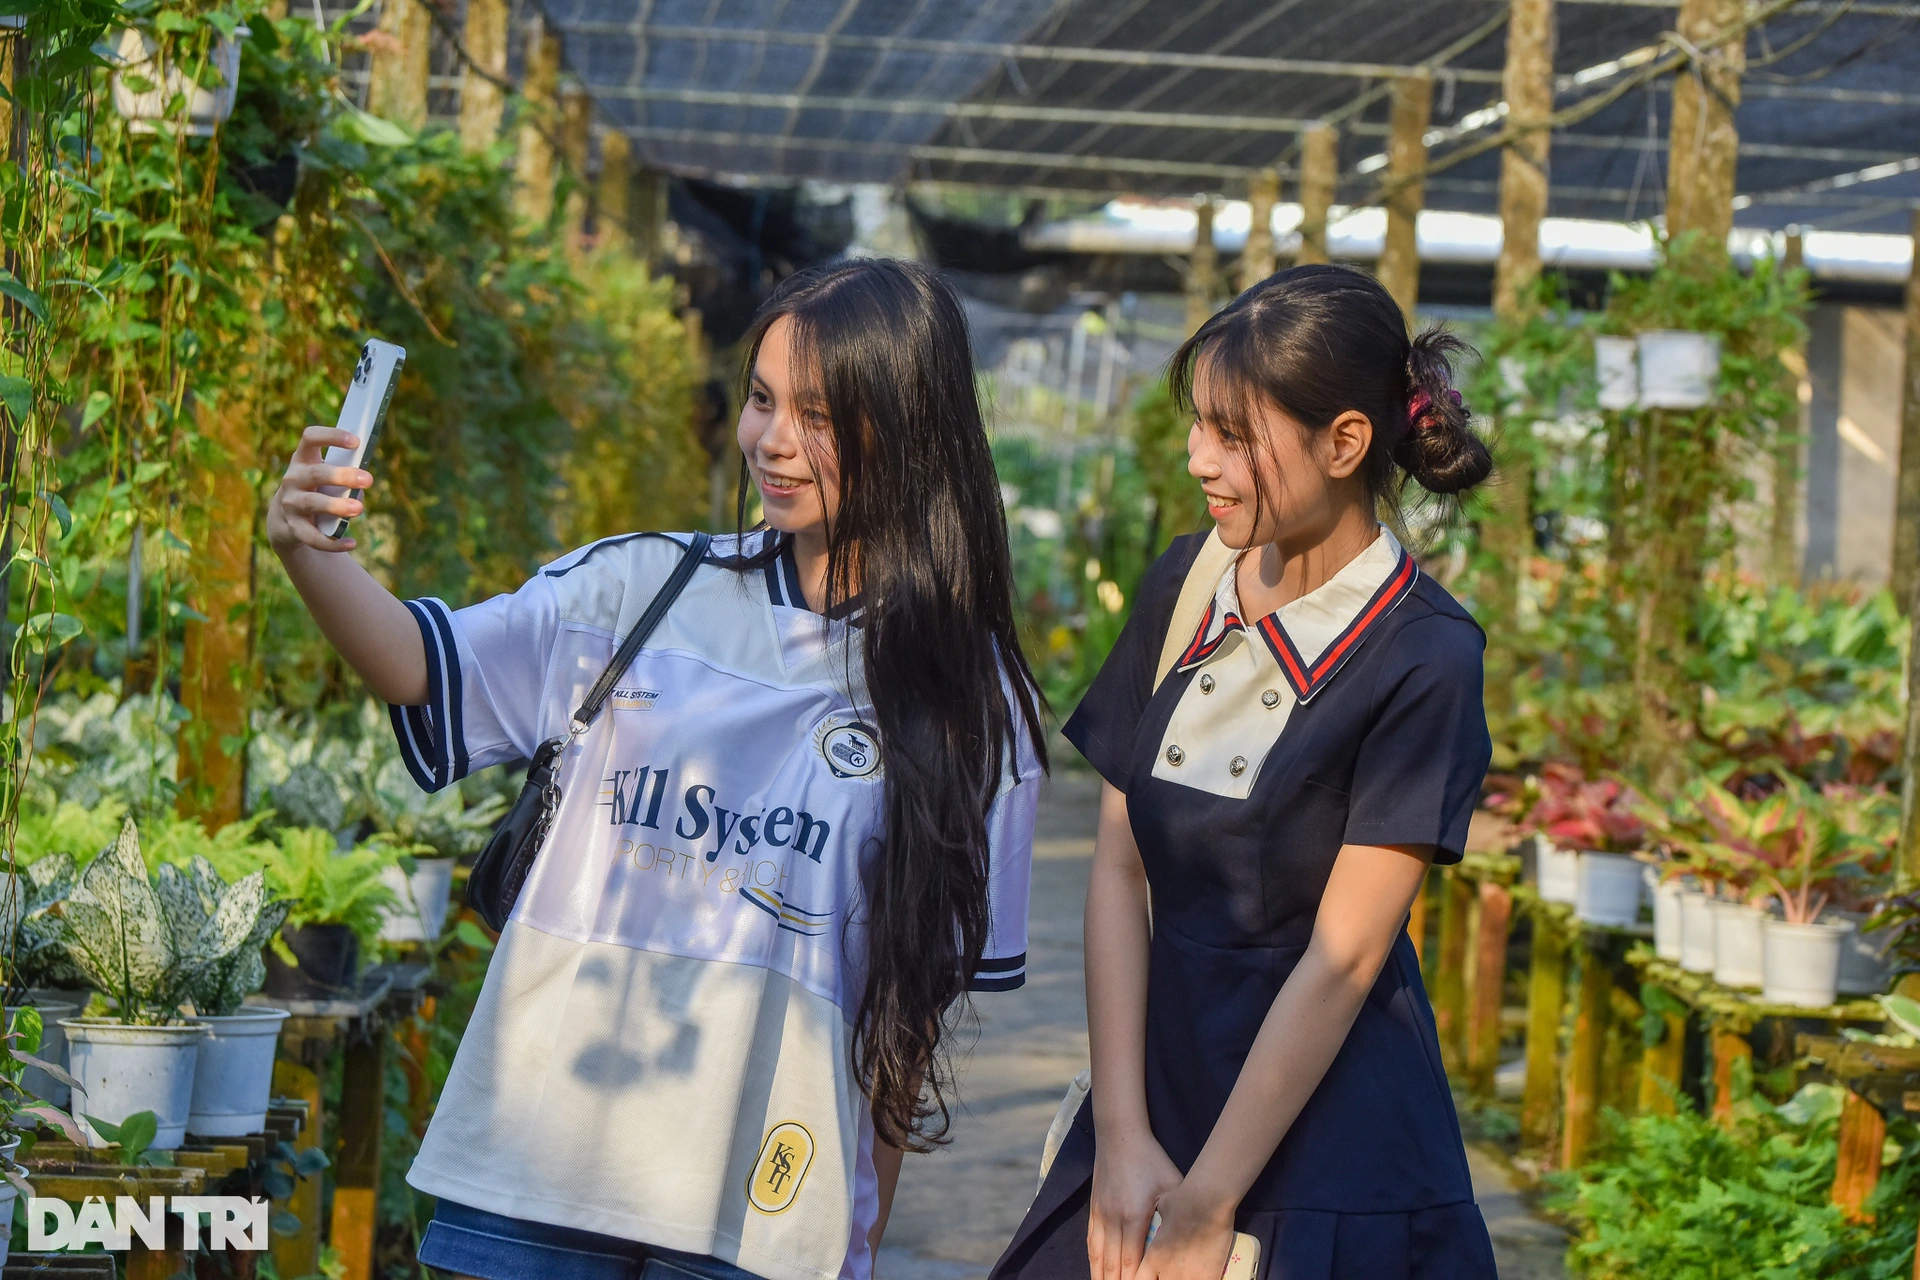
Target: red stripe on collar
{"x": 1307, "y": 683}
{"x": 1201, "y": 649}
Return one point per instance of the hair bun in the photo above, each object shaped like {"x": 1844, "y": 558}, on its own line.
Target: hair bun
{"x": 1440, "y": 448}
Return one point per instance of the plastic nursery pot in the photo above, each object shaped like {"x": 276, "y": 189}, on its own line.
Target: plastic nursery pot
{"x": 1696, "y": 932}
{"x": 137, "y": 55}
{"x": 423, "y": 900}
{"x": 1678, "y": 368}
{"x": 329, "y": 956}
{"x": 1666, "y": 915}
{"x": 1558, "y": 873}
{"x": 233, "y": 1074}
{"x": 1617, "y": 370}
{"x": 1736, "y": 944}
{"x": 123, "y": 1069}
{"x": 1864, "y": 967}
{"x": 1802, "y": 963}
{"x": 53, "y": 1048}
{"x": 1607, "y": 888}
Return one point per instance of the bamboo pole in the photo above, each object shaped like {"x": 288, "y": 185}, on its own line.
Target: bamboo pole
{"x": 1907, "y": 873}
{"x": 1528, "y": 87}
{"x": 1729, "y": 1048}
{"x": 482, "y": 101}
{"x": 1546, "y": 997}
{"x": 1489, "y": 986}
{"x": 1203, "y": 272}
{"x": 1863, "y": 1137}
{"x": 650, "y": 220}
{"x": 533, "y": 171}
{"x": 1789, "y": 445}
{"x": 1704, "y": 143}
{"x": 1592, "y": 1001}
{"x": 1906, "y": 521}
{"x": 1660, "y": 1068}
{"x": 1399, "y": 267}
{"x": 397, "y": 74}
{"x": 1256, "y": 260}
{"x": 298, "y": 1254}
{"x": 1450, "y": 966}
{"x": 612, "y": 215}
{"x": 1319, "y": 181}
{"x": 576, "y": 114}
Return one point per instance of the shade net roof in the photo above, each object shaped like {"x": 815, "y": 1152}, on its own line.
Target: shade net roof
{"x": 1176, "y": 97}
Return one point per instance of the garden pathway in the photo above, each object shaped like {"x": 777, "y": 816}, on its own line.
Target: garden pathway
{"x": 957, "y": 1207}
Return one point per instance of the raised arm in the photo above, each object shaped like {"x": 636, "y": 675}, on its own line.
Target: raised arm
{"x": 364, "y": 622}
{"x": 1361, "y": 916}
{"x": 1131, "y": 1170}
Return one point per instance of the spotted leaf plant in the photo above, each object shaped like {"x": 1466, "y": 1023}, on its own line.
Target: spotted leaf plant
{"x": 152, "y": 944}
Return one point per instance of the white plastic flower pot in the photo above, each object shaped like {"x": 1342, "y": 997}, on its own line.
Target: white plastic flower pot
{"x": 1666, "y": 915}
{"x": 1736, "y": 945}
{"x": 1864, "y": 967}
{"x": 53, "y": 1048}
{"x": 8, "y": 1194}
{"x": 1696, "y": 932}
{"x": 1678, "y": 368}
{"x": 233, "y": 1073}
{"x": 1616, "y": 366}
{"x": 1607, "y": 889}
{"x": 138, "y": 55}
{"x": 1557, "y": 872}
{"x": 1802, "y": 963}
{"x": 125, "y": 1069}
{"x": 424, "y": 896}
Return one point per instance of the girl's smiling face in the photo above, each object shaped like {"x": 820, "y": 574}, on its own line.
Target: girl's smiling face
{"x": 787, "y": 440}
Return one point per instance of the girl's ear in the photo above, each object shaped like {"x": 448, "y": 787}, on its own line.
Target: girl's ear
{"x": 1347, "y": 439}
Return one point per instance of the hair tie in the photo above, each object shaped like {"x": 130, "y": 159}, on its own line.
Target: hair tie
{"x": 1422, "y": 412}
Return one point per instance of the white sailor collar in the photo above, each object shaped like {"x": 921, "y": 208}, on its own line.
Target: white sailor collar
{"x": 1313, "y": 637}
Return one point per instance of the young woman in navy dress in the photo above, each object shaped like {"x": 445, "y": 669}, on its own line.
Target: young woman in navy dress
{"x": 1290, "y": 731}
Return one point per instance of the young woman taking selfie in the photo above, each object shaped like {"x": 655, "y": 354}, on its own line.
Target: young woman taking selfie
{"x": 797, "y": 834}
{"x": 1290, "y": 732}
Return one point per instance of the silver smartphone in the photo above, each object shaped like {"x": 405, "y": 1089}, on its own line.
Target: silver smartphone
{"x": 363, "y": 413}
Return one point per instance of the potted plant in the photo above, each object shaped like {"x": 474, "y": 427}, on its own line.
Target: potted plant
{"x": 341, "y": 901}
{"x": 1802, "y": 952}
{"x": 233, "y": 1068}
{"x": 22, "y": 1110}
{"x": 438, "y": 829}
{"x": 43, "y": 976}
{"x": 117, "y": 930}
{"x": 1872, "y": 815}
{"x": 149, "y": 78}
{"x": 1594, "y": 827}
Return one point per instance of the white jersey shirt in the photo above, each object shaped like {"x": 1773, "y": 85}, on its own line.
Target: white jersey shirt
{"x": 660, "y": 1051}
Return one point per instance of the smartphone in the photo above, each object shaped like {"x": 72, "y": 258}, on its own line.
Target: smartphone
{"x": 363, "y": 413}
{"x": 1242, "y": 1264}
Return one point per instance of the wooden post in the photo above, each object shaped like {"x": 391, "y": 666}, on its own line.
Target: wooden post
{"x": 1906, "y": 520}
{"x": 650, "y": 214}
{"x": 1863, "y": 1136}
{"x": 1417, "y": 919}
{"x": 533, "y": 171}
{"x": 482, "y": 100}
{"x": 1546, "y": 997}
{"x": 1203, "y": 272}
{"x": 397, "y": 74}
{"x": 1728, "y": 1048}
{"x": 299, "y": 1254}
{"x": 1319, "y": 182}
{"x": 612, "y": 216}
{"x": 1449, "y": 967}
{"x": 415, "y": 1040}
{"x": 1789, "y": 444}
{"x": 1907, "y": 872}
{"x": 576, "y": 115}
{"x": 1399, "y": 267}
{"x": 1592, "y": 1001}
{"x": 1256, "y": 260}
{"x": 356, "y": 1182}
{"x": 218, "y": 652}
{"x": 1489, "y": 986}
{"x": 1703, "y": 145}
{"x": 1527, "y": 83}
{"x": 1660, "y": 1068}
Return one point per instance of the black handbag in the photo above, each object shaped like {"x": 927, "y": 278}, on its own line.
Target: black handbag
{"x": 502, "y": 867}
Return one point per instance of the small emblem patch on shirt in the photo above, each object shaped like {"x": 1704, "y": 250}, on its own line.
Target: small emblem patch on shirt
{"x": 781, "y": 1167}
{"x": 635, "y": 699}
{"x": 850, "y": 747}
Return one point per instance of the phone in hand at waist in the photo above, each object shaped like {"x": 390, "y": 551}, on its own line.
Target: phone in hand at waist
{"x": 1242, "y": 1263}
{"x": 363, "y": 413}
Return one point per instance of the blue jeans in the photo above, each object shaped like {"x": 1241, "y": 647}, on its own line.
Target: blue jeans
{"x": 488, "y": 1246}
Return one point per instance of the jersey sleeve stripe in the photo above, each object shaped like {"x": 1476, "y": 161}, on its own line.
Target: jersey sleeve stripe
{"x": 450, "y": 666}
{"x": 430, "y": 739}
{"x": 1009, "y": 980}
{"x": 1005, "y": 964}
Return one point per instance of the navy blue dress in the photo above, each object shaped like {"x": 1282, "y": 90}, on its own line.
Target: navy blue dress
{"x": 1389, "y": 746}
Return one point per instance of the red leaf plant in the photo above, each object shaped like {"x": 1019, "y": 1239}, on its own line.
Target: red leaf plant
{"x": 1574, "y": 811}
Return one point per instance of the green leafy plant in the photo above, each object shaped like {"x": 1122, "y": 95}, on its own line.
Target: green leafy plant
{"x": 39, "y": 951}
{"x": 20, "y": 1110}
{"x": 328, "y": 886}
{"x": 147, "y": 944}
{"x": 192, "y": 899}
{"x": 132, "y": 1140}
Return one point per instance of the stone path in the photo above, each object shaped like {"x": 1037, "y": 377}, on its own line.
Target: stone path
{"x": 958, "y": 1207}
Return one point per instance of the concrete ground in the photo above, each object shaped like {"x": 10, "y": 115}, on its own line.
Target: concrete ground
{"x": 958, "y": 1207}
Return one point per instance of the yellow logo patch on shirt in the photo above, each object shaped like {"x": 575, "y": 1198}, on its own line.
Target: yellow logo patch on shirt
{"x": 780, "y": 1168}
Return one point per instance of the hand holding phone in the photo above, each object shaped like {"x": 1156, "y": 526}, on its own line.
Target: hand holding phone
{"x": 363, "y": 413}
{"x": 1242, "y": 1264}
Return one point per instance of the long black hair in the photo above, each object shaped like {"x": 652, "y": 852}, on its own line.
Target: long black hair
{"x": 921, "y": 537}
{"x": 1317, "y": 341}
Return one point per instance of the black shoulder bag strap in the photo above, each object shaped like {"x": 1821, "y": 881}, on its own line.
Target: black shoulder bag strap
{"x": 502, "y": 867}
